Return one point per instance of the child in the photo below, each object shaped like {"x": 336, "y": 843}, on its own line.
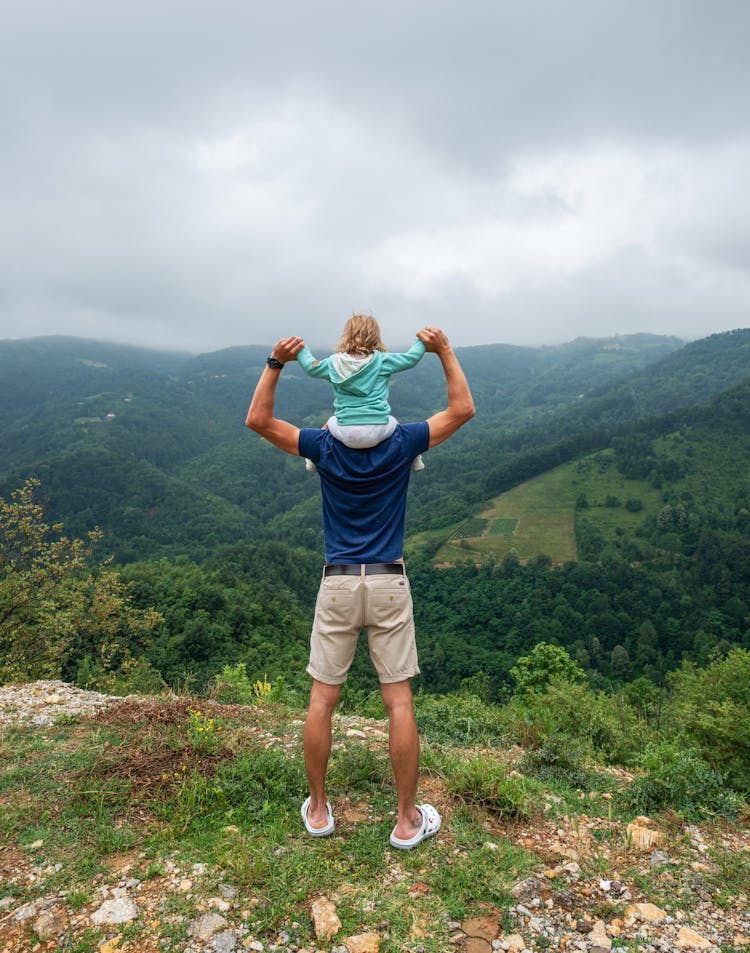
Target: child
{"x": 360, "y": 371}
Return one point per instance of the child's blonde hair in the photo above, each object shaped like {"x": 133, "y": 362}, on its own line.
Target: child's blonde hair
{"x": 361, "y": 335}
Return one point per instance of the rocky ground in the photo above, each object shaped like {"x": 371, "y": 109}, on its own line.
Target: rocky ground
{"x": 652, "y": 887}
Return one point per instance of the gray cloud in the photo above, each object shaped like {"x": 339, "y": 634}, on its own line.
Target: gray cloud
{"x": 195, "y": 175}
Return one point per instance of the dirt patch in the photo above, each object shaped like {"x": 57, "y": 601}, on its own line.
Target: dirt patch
{"x": 159, "y": 711}
{"x": 153, "y": 773}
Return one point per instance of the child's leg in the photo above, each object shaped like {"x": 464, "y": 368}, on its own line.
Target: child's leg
{"x": 309, "y": 465}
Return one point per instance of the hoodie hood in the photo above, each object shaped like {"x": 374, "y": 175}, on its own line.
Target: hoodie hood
{"x": 348, "y": 373}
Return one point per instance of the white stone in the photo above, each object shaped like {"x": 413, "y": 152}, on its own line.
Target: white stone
{"x": 224, "y": 942}
{"x": 600, "y": 942}
{"x": 118, "y": 910}
{"x": 218, "y": 903}
{"x": 204, "y": 927}
{"x": 26, "y": 912}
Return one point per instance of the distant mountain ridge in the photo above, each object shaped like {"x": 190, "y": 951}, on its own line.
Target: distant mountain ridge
{"x": 151, "y": 445}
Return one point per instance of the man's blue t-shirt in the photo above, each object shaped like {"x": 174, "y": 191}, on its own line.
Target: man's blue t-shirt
{"x": 364, "y": 492}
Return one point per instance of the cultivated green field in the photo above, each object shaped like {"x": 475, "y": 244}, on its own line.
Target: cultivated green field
{"x": 535, "y": 517}
{"x": 538, "y": 517}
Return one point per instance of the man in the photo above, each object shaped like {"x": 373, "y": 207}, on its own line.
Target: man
{"x": 364, "y": 582}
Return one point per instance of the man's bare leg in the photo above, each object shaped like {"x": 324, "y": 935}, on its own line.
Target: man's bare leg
{"x": 404, "y": 752}
{"x": 317, "y": 745}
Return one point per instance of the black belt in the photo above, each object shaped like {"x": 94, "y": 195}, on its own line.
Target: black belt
{"x": 371, "y": 569}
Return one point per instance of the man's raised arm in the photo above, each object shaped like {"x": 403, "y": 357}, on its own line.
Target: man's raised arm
{"x": 260, "y": 416}
{"x": 460, "y": 407}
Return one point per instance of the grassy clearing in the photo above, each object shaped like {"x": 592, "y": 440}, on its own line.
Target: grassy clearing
{"x": 535, "y": 517}
{"x": 138, "y": 791}
{"x": 538, "y": 517}
{"x": 147, "y": 784}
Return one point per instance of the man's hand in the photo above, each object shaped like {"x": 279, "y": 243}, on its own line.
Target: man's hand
{"x": 287, "y": 349}
{"x": 434, "y": 339}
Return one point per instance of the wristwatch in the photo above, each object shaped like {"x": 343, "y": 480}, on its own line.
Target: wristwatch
{"x": 272, "y": 362}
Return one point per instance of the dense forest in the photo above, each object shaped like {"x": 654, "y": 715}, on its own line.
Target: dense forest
{"x": 196, "y": 520}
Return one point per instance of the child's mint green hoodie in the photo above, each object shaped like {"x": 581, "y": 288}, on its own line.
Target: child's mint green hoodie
{"x": 360, "y": 386}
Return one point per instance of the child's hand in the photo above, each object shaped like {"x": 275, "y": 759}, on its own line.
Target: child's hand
{"x": 287, "y": 349}
{"x": 433, "y": 339}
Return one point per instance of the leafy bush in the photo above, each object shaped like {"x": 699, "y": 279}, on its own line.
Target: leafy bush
{"x": 677, "y": 777}
{"x": 232, "y": 686}
{"x": 56, "y": 603}
{"x": 711, "y": 706}
{"x": 134, "y": 677}
{"x": 558, "y": 758}
{"x": 461, "y": 718}
{"x": 487, "y": 783}
{"x": 591, "y": 721}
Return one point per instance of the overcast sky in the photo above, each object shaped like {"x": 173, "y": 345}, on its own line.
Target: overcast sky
{"x": 198, "y": 175}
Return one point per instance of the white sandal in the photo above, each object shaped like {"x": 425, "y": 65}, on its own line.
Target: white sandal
{"x": 430, "y": 826}
{"x": 317, "y": 831}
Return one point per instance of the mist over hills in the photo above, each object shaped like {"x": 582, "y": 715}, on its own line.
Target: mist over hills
{"x": 151, "y": 445}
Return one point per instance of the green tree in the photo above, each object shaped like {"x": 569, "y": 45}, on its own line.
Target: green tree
{"x": 545, "y": 661}
{"x": 711, "y": 708}
{"x": 53, "y": 601}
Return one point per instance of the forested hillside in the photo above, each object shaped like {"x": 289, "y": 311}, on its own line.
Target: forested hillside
{"x": 151, "y": 446}
{"x": 648, "y": 565}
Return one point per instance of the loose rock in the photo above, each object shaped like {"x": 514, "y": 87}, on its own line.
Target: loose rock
{"x": 363, "y": 943}
{"x": 118, "y": 910}
{"x": 642, "y": 837}
{"x": 600, "y": 942}
{"x": 645, "y": 911}
{"x": 224, "y": 942}
{"x": 49, "y": 924}
{"x": 688, "y": 939}
{"x": 204, "y": 927}
{"x": 325, "y": 919}
{"x": 528, "y": 889}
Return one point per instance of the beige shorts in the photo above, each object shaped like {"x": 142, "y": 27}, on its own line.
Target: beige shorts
{"x": 346, "y": 605}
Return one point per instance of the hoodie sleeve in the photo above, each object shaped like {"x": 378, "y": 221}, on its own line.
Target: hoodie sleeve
{"x": 393, "y": 363}
{"x": 306, "y": 361}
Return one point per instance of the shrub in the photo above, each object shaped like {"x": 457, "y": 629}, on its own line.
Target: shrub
{"x": 544, "y": 662}
{"x": 232, "y": 686}
{"x": 461, "y": 718}
{"x": 711, "y": 707}
{"x": 487, "y": 783}
{"x": 677, "y": 777}
{"x": 56, "y": 603}
{"x": 558, "y": 758}
{"x": 591, "y": 721}
{"x": 133, "y": 677}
